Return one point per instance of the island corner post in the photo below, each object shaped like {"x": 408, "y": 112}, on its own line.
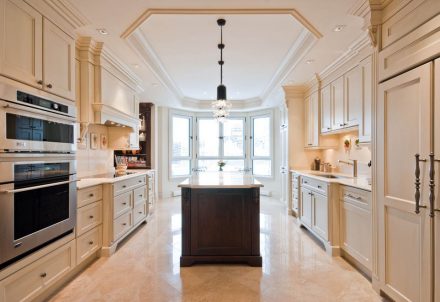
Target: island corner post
{"x": 220, "y": 225}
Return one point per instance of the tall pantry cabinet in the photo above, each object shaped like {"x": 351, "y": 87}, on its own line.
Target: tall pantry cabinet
{"x": 408, "y": 167}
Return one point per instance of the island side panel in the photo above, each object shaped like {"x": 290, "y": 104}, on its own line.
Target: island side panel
{"x": 186, "y": 221}
{"x": 255, "y": 223}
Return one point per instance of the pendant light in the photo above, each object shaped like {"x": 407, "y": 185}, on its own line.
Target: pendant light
{"x": 221, "y": 106}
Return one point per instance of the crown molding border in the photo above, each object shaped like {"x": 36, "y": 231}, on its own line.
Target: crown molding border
{"x": 371, "y": 12}
{"x": 69, "y": 12}
{"x": 203, "y": 11}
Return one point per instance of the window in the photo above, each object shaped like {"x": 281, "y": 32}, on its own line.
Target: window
{"x": 181, "y": 154}
{"x": 261, "y": 145}
{"x": 221, "y": 141}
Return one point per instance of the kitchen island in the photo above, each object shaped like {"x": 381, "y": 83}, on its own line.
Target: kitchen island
{"x": 221, "y": 219}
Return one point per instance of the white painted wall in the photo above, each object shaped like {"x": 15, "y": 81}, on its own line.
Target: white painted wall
{"x": 167, "y": 185}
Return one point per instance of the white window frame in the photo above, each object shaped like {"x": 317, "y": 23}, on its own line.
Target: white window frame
{"x": 252, "y": 157}
{"x": 170, "y": 144}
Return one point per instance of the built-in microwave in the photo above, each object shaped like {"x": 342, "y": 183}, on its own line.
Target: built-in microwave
{"x": 37, "y": 202}
{"x": 34, "y": 121}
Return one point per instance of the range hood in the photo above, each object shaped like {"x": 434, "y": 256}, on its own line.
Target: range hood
{"x": 110, "y": 116}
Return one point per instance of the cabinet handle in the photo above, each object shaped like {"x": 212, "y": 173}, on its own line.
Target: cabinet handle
{"x": 90, "y": 242}
{"x": 305, "y": 182}
{"x": 140, "y": 195}
{"x": 417, "y": 183}
{"x": 140, "y": 180}
{"x": 319, "y": 187}
{"x": 310, "y": 144}
{"x": 43, "y": 275}
{"x": 140, "y": 212}
{"x": 124, "y": 203}
{"x": 124, "y": 186}
{"x": 91, "y": 195}
{"x": 341, "y": 125}
{"x": 328, "y": 128}
{"x": 49, "y": 86}
{"x": 124, "y": 223}
{"x": 91, "y": 217}
{"x": 432, "y": 161}
{"x": 40, "y": 82}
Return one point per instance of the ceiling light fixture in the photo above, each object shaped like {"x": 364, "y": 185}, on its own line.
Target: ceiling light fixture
{"x": 339, "y": 28}
{"x": 221, "y": 106}
{"x": 310, "y": 61}
{"x": 102, "y": 31}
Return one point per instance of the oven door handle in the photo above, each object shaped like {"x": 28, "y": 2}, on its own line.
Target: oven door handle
{"x": 38, "y": 187}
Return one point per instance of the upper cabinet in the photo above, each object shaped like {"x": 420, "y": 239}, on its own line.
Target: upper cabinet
{"x": 338, "y": 102}
{"x": 34, "y": 51}
{"x": 312, "y": 120}
{"x": 367, "y": 100}
{"x": 353, "y": 96}
{"x": 326, "y": 109}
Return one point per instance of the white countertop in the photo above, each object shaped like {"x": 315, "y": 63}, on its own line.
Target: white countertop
{"x": 100, "y": 179}
{"x": 220, "y": 180}
{"x": 344, "y": 179}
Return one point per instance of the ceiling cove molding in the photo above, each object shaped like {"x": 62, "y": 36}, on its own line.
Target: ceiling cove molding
{"x": 138, "y": 42}
{"x": 296, "y": 53}
{"x": 161, "y": 11}
{"x": 353, "y": 50}
{"x": 69, "y": 13}
{"x": 294, "y": 91}
{"x": 371, "y": 13}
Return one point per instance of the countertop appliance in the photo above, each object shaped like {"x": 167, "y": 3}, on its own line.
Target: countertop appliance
{"x": 34, "y": 121}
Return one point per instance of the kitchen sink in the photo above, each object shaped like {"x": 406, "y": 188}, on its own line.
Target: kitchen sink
{"x": 331, "y": 176}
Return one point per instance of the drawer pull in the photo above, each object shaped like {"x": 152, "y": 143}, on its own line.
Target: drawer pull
{"x": 305, "y": 182}
{"x": 354, "y": 197}
{"x": 140, "y": 180}
{"x": 43, "y": 275}
{"x": 140, "y": 212}
{"x": 140, "y": 195}
{"x": 91, "y": 242}
{"x": 91, "y": 216}
{"x": 124, "y": 223}
{"x": 124, "y": 186}
{"x": 124, "y": 203}
{"x": 91, "y": 195}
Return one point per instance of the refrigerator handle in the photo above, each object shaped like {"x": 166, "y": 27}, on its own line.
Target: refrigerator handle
{"x": 417, "y": 183}
{"x": 432, "y": 162}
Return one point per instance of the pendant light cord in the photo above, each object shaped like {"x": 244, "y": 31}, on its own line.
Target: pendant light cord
{"x": 221, "y": 54}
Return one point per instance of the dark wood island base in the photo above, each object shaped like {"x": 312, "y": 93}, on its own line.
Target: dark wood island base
{"x": 221, "y": 225}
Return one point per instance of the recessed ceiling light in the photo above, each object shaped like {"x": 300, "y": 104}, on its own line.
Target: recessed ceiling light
{"x": 310, "y": 61}
{"x": 338, "y": 28}
{"x": 136, "y": 65}
{"x": 102, "y": 31}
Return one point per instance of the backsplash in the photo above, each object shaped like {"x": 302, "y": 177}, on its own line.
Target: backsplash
{"x": 95, "y": 158}
{"x": 361, "y": 153}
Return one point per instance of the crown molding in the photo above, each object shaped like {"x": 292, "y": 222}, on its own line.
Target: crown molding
{"x": 359, "y": 44}
{"x": 371, "y": 13}
{"x": 294, "y": 91}
{"x": 203, "y": 11}
{"x": 69, "y": 12}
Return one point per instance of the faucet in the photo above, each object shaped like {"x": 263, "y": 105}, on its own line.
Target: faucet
{"x": 354, "y": 163}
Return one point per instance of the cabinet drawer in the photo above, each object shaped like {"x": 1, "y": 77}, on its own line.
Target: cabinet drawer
{"x": 88, "y": 217}
{"x": 89, "y": 195}
{"x": 358, "y": 197}
{"x": 140, "y": 212}
{"x": 121, "y": 225}
{"x": 125, "y": 185}
{"x": 122, "y": 203}
{"x": 139, "y": 195}
{"x": 88, "y": 243}
{"x": 313, "y": 184}
{"x": 29, "y": 282}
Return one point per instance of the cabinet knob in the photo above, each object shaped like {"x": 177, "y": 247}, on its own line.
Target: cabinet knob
{"x": 124, "y": 186}
{"x": 43, "y": 275}
{"x": 91, "y": 217}
{"x": 140, "y": 195}
{"x": 91, "y": 242}
{"x": 124, "y": 223}
{"x": 328, "y": 128}
{"x": 40, "y": 82}
{"x": 319, "y": 187}
{"x": 49, "y": 86}
{"x": 91, "y": 195}
{"x": 140, "y": 212}
{"x": 124, "y": 203}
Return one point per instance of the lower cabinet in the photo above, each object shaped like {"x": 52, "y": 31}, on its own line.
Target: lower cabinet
{"x": 356, "y": 226}
{"x": 306, "y": 207}
{"x": 320, "y": 215}
{"x": 88, "y": 243}
{"x": 32, "y": 280}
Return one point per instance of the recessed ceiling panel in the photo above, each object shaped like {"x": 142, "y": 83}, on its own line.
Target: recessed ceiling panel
{"x": 186, "y": 47}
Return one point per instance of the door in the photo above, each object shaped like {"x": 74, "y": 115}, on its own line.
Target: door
{"x": 21, "y": 42}
{"x": 437, "y": 174}
{"x": 353, "y": 96}
{"x": 306, "y": 207}
{"x": 403, "y": 127}
{"x": 326, "y": 109}
{"x": 338, "y": 103}
{"x": 58, "y": 61}
{"x": 320, "y": 215}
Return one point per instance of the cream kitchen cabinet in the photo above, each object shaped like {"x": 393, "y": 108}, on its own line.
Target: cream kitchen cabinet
{"x": 318, "y": 212}
{"x": 151, "y": 181}
{"x": 35, "y": 51}
{"x": 125, "y": 208}
{"x": 326, "y": 109}
{"x": 312, "y": 120}
{"x": 365, "y": 116}
{"x": 353, "y": 96}
{"x": 295, "y": 194}
{"x": 355, "y": 224}
{"x": 338, "y": 102}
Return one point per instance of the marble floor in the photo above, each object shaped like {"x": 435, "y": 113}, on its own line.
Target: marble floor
{"x": 146, "y": 268}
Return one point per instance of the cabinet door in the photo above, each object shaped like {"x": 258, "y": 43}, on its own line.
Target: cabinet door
{"x": 326, "y": 109}
{"x": 306, "y": 207}
{"x": 21, "y": 42}
{"x": 367, "y": 87}
{"x": 437, "y": 174}
{"x": 58, "y": 61}
{"x": 338, "y": 103}
{"x": 314, "y": 116}
{"x": 404, "y": 129}
{"x": 320, "y": 215}
{"x": 307, "y": 123}
{"x": 353, "y": 96}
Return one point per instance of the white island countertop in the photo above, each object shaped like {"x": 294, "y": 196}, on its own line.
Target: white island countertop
{"x": 225, "y": 180}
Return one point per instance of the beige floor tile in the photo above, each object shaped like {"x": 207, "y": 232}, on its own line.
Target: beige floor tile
{"x": 146, "y": 268}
